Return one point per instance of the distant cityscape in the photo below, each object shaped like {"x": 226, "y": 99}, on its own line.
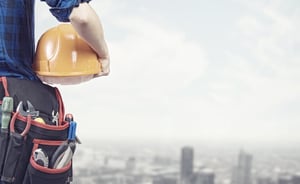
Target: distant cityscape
{"x": 185, "y": 165}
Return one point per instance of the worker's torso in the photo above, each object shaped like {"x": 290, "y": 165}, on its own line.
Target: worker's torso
{"x": 17, "y": 38}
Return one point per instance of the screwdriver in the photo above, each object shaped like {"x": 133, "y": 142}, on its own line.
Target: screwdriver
{"x": 7, "y": 108}
{"x": 64, "y": 153}
{"x": 69, "y": 118}
{"x": 72, "y": 131}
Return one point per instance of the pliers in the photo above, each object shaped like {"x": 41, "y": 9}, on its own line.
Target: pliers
{"x": 64, "y": 153}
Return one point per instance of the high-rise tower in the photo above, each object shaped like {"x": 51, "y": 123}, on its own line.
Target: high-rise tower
{"x": 242, "y": 172}
{"x": 186, "y": 165}
{"x": 205, "y": 176}
{"x": 296, "y": 178}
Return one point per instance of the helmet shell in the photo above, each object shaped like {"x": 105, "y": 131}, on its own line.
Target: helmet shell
{"x": 61, "y": 52}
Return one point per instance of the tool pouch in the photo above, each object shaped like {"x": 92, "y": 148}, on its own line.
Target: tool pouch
{"x": 25, "y": 135}
{"x": 37, "y": 174}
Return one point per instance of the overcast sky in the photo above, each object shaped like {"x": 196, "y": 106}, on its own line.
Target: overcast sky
{"x": 194, "y": 69}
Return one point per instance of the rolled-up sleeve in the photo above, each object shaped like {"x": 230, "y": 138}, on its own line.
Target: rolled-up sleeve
{"x": 62, "y": 9}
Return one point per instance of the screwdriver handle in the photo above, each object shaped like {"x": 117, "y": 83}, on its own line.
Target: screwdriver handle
{"x": 69, "y": 117}
{"x": 7, "y": 108}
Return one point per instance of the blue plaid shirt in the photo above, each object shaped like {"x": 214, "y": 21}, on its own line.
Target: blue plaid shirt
{"x": 17, "y": 42}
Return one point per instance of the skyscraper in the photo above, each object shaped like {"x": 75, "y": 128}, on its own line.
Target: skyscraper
{"x": 264, "y": 180}
{"x": 242, "y": 172}
{"x": 205, "y": 176}
{"x": 186, "y": 165}
{"x": 296, "y": 178}
{"x": 164, "y": 180}
{"x": 285, "y": 179}
{"x": 130, "y": 164}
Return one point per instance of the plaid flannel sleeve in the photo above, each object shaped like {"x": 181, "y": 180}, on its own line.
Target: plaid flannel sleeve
{"x": 62, "y": 9}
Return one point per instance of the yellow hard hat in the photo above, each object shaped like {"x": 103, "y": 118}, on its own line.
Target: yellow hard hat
{"x": 61, "y": 54}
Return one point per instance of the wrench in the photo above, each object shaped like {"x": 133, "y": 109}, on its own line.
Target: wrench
{"x": 30, "y": 110}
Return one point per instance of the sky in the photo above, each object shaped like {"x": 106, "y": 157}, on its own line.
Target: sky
{"x": 192, "y": 70}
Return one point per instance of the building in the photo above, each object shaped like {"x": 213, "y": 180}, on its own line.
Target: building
{"x": 186, "y": 165}
{"x": 284, "y": 180}
{"x": 296, "y": 178}
{"x": 130, "y": 165}
{"x": 164, "y": 180}
{"x": 242, "y": 172}
{"x": 264, "y": 180}
{"x": 205, "y": 176}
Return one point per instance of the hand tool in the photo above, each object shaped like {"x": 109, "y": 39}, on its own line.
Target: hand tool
{"x": 40, "y": 157}
{"x": 29, "y": 113}
{"x": 69, "y": 118}
{"x": 62, "y": 156}
{"x": 72, "y": 136}
{"x": 55, "y": 118}
{"x": 7, "y": 108}
{"x": 30, "y": 110}
{"x": 64, "y": 153}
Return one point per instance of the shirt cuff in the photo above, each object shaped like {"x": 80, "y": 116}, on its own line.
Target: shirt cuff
{"x": 63, "y": 9}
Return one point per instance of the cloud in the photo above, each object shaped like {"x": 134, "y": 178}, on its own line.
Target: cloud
{"x": 261, "y": 82}
{"x": 271, "y": 38}
{"x": 252, "y": 94}
{"x": 271, "y": 34}
{"x": 154, "y": 56}
{"x": 150, "y": 63}
{"x": 164, "y": 85}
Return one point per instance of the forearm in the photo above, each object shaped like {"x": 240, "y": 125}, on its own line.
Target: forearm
{"x": 88, "y": 25}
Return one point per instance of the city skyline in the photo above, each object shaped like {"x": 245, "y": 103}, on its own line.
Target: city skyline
{"x": 153, "y": 164}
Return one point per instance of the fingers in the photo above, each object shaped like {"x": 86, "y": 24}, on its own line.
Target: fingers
{"x": 105, "y": 66}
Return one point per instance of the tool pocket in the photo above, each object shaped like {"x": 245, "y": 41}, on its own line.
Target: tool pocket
{"x": 13, "y": 155}
{"x": 51, "y": 136}
{"x": 3, "y": 147}
{"x": 16, "y": 151}
{"x": 39, "y": 170}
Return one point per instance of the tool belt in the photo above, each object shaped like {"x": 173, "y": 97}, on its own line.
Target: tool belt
{"x": 26, "y": 133}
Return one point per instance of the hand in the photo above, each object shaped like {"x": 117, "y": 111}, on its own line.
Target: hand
{"x": 105, "y": 67}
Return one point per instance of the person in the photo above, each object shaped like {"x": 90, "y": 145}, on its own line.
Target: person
{"x": 17, "y": 38}
{"x": 17, "y": 53}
